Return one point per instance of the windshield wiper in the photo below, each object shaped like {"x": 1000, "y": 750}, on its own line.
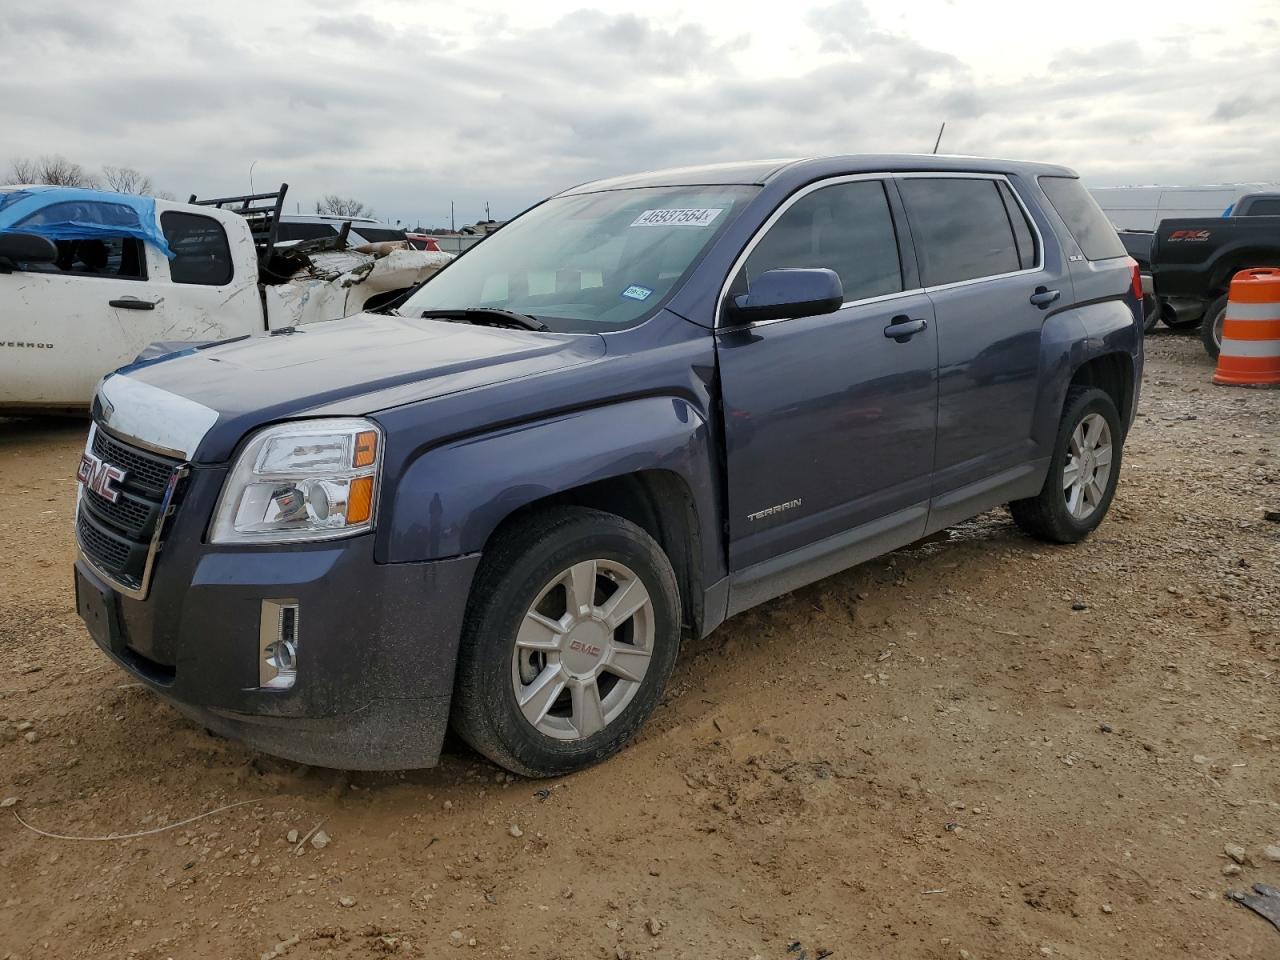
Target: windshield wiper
{"x": 488, "y": 317}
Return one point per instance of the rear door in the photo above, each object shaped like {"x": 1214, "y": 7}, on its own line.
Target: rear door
{"x": 829, "y": 422}
{"x": 983, "y": 265}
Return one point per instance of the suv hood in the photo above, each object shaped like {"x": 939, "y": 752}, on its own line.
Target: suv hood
{"x": 198, "y": 403}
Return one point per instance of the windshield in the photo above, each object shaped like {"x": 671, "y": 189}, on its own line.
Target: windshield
{"x": 590, "y": 263}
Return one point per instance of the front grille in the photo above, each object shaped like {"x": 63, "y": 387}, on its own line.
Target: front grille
{"x": 131, "y": 515}
{"x": 117, "y": 537}
{"x": 146, "y": 472}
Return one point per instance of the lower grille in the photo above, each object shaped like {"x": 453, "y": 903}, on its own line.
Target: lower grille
{"x": 108, "y": 552}
{"x": 120, "y": 538}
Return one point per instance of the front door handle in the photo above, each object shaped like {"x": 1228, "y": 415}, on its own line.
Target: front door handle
{"x": 133, "y": 303}
{"x": 902, "y": 328}
{"x": 1044, "y": 296}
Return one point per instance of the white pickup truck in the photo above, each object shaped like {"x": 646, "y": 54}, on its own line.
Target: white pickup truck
{"x": 88, "y": 280}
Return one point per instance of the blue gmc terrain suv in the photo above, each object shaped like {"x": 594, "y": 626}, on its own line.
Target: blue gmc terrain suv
{"x": 641, "y": 407}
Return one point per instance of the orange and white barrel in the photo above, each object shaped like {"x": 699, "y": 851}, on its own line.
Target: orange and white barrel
{"x": 1251, "y": 330}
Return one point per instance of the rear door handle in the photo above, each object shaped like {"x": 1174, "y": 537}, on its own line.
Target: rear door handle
{"x": 1044, "y": 296}
{"x": 133, "y": 303}
{"x": 902, "y": 328}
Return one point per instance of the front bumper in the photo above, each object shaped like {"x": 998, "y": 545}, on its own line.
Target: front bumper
{"x": 376, "y": 654}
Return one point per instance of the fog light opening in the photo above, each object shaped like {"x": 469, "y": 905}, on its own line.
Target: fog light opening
{"x": 278, "y": 644}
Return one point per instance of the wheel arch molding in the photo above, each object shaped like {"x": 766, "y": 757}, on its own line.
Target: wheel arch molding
{"x": 643, "y": 452}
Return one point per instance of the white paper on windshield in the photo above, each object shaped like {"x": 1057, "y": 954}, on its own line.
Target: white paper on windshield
{"x": 678, "y": 217}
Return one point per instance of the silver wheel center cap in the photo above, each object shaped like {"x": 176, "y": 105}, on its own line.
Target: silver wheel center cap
{"x": 585, "y": 647}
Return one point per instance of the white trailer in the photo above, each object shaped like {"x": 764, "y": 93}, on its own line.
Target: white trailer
{"x": 1142, "y": 208}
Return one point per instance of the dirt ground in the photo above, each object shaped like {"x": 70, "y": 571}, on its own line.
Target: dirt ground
{"x": 978, "y": 747}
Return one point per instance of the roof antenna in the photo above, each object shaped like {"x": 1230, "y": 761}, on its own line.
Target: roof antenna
{"x": 939, "y": 140}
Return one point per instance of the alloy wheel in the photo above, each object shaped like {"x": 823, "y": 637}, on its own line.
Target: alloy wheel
{"x": 582, "y": 649}
{"x": 1088, "y": 466}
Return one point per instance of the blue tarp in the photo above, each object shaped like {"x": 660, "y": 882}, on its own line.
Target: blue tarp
{"x": 72, "y": 213}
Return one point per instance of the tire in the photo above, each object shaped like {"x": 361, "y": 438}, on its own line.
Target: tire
{"x": 1150, "y": 313}
{"x": 1047, "y": 515}
{"x": 511, "y": 650}
{"x": 1211, "y": 329}
{"x": 1172, "y": 321}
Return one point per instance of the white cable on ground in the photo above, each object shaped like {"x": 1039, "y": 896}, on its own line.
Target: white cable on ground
{"x": 133, "y": 836}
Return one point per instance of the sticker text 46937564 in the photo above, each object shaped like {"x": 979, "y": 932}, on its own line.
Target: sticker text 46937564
{"x": 678, "y": 217}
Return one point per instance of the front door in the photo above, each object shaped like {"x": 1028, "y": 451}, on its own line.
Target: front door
{"x": 65, "y": 324}
{"x": 829, "y": 422}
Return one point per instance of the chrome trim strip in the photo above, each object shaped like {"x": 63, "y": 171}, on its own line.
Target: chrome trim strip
{"x": 157, "y": 537}
{"x": 884, "y": 298}
{"x": 765, "y": 227}
{"x": 851, "y": 178}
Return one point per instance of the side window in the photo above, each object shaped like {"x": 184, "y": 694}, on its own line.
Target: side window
{"x": 286, "y": 230}
{"x": 1022, "y": 235}
{"x": 960, "y": 227}
{"x": 846, "y": 227}
{"x": 104, "y": 255}
{"x": 202, "y": 254}
{"x": 1263, "y": 207}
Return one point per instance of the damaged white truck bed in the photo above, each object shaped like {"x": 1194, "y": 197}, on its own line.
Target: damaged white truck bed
{"x": 195, "y": 273}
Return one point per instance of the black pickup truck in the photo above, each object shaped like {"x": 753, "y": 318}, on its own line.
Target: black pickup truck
{"x": 1195, "y": 259}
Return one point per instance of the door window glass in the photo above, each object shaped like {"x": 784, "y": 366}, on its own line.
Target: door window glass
{"x": 846, "y": 227}
{"x": 960, "y": 227}
{"x": 1022, "y": 235}
{"x": 119, "y": 257}
{"x": 201, "y": 252}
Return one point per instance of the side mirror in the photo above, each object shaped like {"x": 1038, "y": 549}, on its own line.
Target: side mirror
{"x": 25, "y": 248}
{"x": 786, "y": 293}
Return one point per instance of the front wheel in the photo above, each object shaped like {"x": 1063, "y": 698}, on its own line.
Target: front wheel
{"x": 1083, "y": 471}
{"x": 1211, "y": 329}
{"x": 572, "y": 631}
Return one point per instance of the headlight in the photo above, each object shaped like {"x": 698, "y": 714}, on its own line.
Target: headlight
{"x": 309, "y": 480}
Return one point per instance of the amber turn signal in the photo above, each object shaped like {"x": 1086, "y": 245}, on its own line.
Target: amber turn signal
{"x": 366, "y": 448}
{"x": 360, "y": 500}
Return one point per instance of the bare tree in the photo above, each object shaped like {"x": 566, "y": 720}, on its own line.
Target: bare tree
{"x": 51, "y": 169}
{"x": 335, "y": 206}
{"x": 128, "y": 180}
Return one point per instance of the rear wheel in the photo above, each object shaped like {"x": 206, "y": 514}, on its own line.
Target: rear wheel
{"x": 572, "y": 630}
{"x": 1174, "y": 322}
{"x": 1211, "y": 329}
{"x": 1083, "y": 471}
{"x": 1150, "y": 312}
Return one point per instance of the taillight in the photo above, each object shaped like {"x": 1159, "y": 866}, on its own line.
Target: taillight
{"x": 1136, "y": 279}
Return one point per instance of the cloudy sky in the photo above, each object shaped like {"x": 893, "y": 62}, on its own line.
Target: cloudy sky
{"x": 408, "y": 104}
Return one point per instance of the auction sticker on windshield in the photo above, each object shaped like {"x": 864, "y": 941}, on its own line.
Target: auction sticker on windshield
{"x": 678, "y": 217}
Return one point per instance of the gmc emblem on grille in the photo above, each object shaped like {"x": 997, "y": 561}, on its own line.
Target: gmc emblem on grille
{"x": 98, "y": 476}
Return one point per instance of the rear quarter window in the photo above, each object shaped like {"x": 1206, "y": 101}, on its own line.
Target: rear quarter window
{"x": 1084, "y": 218}
{"x": 201, "y": 253}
